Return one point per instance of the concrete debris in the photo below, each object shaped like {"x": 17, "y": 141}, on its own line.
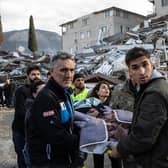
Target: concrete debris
{"x": 109, "y": 56}
{"x": 13, "y": 65}
{"x": 106, "y": 58}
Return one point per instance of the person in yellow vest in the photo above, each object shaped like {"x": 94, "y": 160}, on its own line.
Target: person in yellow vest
{"x": 80, "y": 92}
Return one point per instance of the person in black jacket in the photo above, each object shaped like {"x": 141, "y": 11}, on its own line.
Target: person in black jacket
{"x": 146, "y": 144}
{"x": 21, "y": 94}
{"x": 51, "y": 139}
{"x": 35, "y": 87}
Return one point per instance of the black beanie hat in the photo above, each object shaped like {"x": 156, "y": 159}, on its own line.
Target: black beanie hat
{"x": 78, "y": 75}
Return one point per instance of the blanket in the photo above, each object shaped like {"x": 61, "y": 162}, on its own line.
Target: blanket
{"x": 93, "y": 133}
{"x": 96, "y": 134}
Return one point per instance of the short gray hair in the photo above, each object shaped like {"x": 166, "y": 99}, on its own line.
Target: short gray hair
{"x": 61, "y": 55}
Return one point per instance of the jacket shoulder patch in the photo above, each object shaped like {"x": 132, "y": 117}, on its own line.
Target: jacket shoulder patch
{"x": 48, "y": 113}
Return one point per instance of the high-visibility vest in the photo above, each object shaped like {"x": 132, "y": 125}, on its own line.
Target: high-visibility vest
{"x": 80, "y": 96}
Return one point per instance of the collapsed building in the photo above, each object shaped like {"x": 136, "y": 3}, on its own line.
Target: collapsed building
{"x": 108, "y": 57}
{"x": 105, "y": 58}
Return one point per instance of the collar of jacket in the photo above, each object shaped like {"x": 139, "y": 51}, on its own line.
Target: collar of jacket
{"x": 155, "y": 75}
{"x": 129, "y": 87}
{"x": 57, "y": 89}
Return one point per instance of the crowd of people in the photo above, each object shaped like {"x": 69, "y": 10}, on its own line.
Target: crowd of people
{"x": 44, "y": 132}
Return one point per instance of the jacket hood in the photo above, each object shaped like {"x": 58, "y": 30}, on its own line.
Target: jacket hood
{"x": 155, "y": 75}
{"x": 57, "y": 89}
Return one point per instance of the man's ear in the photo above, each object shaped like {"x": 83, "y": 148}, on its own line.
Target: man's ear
{"x": 51, "y": 71}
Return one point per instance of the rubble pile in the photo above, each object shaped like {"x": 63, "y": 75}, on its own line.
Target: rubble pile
{"x": 106, "y": 58}
{"x": 13, "y": 65}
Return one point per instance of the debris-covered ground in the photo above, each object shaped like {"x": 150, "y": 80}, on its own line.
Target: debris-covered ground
{"x": 7, "y": 158}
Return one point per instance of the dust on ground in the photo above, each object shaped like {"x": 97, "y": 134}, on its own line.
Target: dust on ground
{"x": 8, "y": 157}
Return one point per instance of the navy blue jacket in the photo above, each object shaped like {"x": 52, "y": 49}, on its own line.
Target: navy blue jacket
{"x": 51, "y": 123}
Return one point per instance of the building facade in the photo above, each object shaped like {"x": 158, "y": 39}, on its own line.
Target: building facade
{"x": 161, "y": 7}
{"x": 88, "y": 30}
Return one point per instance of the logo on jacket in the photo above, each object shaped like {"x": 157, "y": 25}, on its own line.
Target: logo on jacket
{"x": 63, "y": 106}
{"x": 48, "y": 113}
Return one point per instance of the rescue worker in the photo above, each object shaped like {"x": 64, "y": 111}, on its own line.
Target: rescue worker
{"x": 78, "y": 88}
{"x": 52, "y": 119}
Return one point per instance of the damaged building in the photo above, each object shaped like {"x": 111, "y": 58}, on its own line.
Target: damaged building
{"x": 107, "y": 51}
{"x": 105, "y": 54}
{"x": 88, "y": 30}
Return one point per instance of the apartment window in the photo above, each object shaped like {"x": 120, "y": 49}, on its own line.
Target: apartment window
{"x": 76, "y": 41}
{"x": 121, "y": 28}
{"x": 64, "y": 30}
{"x": 76, "y": 38}
{"x": 88, "y": 33}
{"x": 71, "y": 25}
{"x": 108, "y": 13}
{"x": 127, "y": 28}
{"x": 82, "y": 35}
{"x": 85, "y": 21}
{"x": 125, "y": 15}
{"x": 164, "y": 2}
{"x": 76, "y": 35}
{"x": 104, "y": 29}
{"x": 117, "y": 12}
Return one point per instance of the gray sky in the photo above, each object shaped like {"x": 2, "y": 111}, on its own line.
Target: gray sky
{"x": 49, "y": 14}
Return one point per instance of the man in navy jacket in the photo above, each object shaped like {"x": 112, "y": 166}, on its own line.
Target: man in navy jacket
{"x": 52, "y": 119}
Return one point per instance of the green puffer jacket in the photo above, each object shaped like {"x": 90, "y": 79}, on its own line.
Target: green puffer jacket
{"x": 122, "y": 97}
{"x": 147, "y": 143}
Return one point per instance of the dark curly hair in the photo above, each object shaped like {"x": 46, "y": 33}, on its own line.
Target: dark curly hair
{"x": 97, "y": 87}
{"x": 31, "y": 68}
{"x": 135, "y": 53}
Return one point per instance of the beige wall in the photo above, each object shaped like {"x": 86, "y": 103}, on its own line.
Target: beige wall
{"x": 161, "y": 10}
